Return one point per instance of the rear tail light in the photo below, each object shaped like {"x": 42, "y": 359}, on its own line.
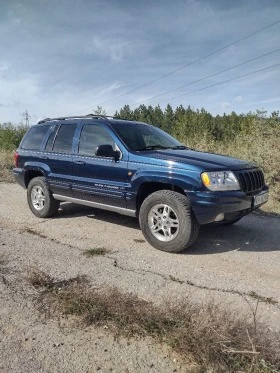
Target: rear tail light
{"x": 16, "y": 159}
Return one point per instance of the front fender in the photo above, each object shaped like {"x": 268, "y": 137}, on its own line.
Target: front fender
{"x": 187, "y": 181}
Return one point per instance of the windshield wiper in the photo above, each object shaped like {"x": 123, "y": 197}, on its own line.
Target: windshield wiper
{"x": 180, "y": 147}
{"x": 154, "y": 147}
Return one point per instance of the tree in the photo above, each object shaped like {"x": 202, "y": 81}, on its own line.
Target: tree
{"x": 99, "y": 111}
{"x": 168, "y": 118}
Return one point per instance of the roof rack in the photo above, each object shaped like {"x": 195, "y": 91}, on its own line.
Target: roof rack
{"x": 96, "y": 116}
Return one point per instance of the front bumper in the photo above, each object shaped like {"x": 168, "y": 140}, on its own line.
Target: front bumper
{"x": 208, "y": 205}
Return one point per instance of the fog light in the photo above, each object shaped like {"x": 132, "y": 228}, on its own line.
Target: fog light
{"x": 220, "y": 217}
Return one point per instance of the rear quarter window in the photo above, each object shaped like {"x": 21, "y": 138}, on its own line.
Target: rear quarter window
{"x": 34, "y": 138}
{"x": 64, "y": 138}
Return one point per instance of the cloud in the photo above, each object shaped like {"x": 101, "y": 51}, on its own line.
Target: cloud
{"x": 238, "y": 99}
{"x": 59, "y": 57}
{"x": 3, "y": 67}
{"x": 225, "y": 105}
{"x": 113, "y": 48}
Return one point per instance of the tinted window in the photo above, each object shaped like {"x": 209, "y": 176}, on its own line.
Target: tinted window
{"x": 91, "y": 137}
{"x": 64, "y": 138}
{"x": 138, "y": 136}
{"x": 49, "y": 145}
{"x": 34, "y": 138}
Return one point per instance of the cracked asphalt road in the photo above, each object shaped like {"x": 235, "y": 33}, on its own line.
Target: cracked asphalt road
{"x": 233, "y": 266}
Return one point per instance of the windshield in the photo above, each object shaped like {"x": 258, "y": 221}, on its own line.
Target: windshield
{"x": 140, "y": 137}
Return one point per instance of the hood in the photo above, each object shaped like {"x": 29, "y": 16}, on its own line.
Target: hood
{"x": 201, "y": 160}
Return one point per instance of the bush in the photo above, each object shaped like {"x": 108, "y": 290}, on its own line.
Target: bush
{"x": 11, "y": 135}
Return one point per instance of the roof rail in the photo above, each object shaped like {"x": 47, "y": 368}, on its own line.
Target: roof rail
{"x": 97, "y": 116}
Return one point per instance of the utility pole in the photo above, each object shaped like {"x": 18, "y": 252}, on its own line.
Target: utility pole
{"x": 26, "y": 118}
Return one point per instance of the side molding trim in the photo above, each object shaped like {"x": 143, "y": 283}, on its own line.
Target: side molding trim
{"x": 119, "y": 210}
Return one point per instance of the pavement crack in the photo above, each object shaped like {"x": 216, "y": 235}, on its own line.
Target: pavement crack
{"x": 170, "y": 278}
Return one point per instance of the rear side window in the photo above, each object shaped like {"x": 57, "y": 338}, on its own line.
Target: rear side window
{"x": 91, "y": 137}
{"x": 64, "y": 138}
{"x": 34, "y": 138}
{"x": 49, "y": 145}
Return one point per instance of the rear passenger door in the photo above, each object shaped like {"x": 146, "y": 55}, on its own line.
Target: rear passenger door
{"x": 99, "y": 179}
{"x": 58, "y": 155}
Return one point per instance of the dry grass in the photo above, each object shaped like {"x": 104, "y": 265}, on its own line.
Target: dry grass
{"x": 6, "y": 166}
{"x": 215, "y": 339}
{"x": 261, "y": 146}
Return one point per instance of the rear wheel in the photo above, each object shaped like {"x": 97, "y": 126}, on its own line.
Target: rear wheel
{"x": 40, "y": 199}
{"x": 167, "y": 221}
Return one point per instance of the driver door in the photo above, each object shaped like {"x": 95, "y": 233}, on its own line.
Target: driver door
{"x": 98, "y": 179}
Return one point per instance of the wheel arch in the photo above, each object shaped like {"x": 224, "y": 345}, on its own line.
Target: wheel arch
{"x": 31, "y": 174}
{"x": 149, "y": 187}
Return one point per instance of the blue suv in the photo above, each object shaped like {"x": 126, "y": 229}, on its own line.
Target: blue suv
{"x": 135, "y": 169}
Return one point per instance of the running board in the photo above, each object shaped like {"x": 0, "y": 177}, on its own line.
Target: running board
{"x": 119, "y": 210}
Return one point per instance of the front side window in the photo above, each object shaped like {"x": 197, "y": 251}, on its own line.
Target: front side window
{"x": 34, "y": 138}
{"x": 93, "y": 136}
{"x": 144, "y": 137}
{"x": 64, "y": 139}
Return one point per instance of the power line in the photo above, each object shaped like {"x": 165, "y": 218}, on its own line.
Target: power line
{"x": 192, "y": 27}
{"x": 209, "y": 76}
{"x": 224, "y": 81}
{"x": 191, "y": 63}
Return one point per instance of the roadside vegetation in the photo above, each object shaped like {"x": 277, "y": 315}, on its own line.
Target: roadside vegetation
{"x": 213, "y": 339}
{"x": 96, "y": 251}
{"x": 252, "y": 136}
{"x": 10, "y": 137}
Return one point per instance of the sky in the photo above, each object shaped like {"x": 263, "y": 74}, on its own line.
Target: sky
{"x": 67, "y": 57}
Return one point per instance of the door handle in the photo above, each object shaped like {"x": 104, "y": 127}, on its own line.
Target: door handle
{"x": 80, "y": 163}
{"x": 44, "y": 157}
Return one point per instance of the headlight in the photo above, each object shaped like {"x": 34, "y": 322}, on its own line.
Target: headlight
{"x": 222, "y": 180}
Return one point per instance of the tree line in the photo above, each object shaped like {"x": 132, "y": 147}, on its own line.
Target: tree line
{"x": 188, "y": 125}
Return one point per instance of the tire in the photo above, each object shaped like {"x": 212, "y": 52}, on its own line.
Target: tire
{"x": 171, "y": 216}
{"x": 40, "y": 199}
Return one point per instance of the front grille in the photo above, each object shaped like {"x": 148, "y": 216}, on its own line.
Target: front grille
{"x": 251, "y": 180}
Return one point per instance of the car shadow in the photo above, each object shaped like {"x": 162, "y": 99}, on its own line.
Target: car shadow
{"x": 71, "y": 210}
{"x": 255, "y": 232}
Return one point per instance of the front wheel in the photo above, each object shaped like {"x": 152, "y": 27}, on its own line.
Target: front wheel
{"x": 40, "y": 199}
{"x": 167, "y": 221}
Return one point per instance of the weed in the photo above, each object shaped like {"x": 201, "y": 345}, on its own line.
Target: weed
{"x": 217, "y": 340}
{"x": 261, "y": 298}
{"x": 38, "y": 278}
{"x": 6, "y": 165}
{"x": 138, "y": 240}
{"x": 95, "y": 251}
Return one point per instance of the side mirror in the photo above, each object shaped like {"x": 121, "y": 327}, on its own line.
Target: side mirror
{"x": 107, "y": 151}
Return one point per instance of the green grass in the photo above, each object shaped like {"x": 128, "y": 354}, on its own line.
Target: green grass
{"x": 95, "y": 252}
